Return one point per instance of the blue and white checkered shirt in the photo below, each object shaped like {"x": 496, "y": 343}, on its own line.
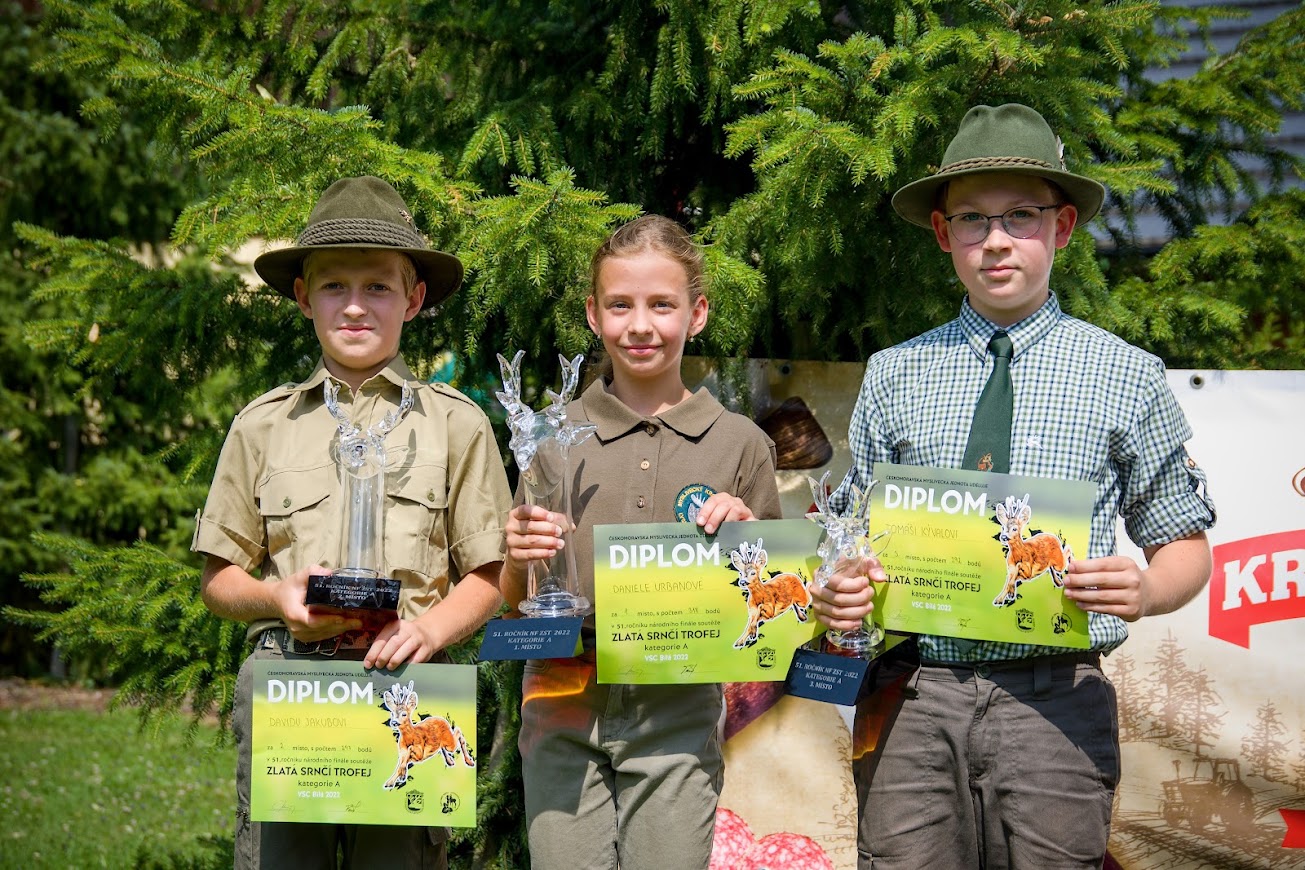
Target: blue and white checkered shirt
{"x": 1088, "y": 406}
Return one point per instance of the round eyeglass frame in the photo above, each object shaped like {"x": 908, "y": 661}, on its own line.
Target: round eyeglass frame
{"x": 1005, "y": 219}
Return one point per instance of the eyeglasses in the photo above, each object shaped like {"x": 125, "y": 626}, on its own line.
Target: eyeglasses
{"x": 1021, "y": 222}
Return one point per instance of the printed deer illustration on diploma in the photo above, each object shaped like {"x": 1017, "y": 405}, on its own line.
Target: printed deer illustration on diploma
{"x": 768, "y": 597}
{"x": 1028, "y": 558}
{"x": 420, "y": 740}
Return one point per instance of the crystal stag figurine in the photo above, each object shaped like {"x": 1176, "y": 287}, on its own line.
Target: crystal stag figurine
{"x": 362, "y": 460}
{"x": 844, "y": 543}
{"x": 541, "y": 442}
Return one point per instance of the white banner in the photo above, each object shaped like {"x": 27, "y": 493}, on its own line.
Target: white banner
{"x": 1212, "y": 698}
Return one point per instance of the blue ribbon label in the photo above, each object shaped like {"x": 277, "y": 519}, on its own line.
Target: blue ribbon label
{"x": 832, "y": 679}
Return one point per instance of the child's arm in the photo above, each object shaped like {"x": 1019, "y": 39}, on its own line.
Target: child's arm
{"x": 230, "y": 592}
{"x": 1174, "y": 574}
{"x": 471, "y": 601}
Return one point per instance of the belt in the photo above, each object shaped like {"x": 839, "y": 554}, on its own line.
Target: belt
{"x": 1040, "y": 670}
{"x": 282, "y": 639}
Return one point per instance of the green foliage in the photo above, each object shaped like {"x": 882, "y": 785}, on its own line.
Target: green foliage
{"x": 839, "y": 131}
{"x": 520, "y": 133}
{"x": 136, "y": 610}
{"x": 77, "y": 457}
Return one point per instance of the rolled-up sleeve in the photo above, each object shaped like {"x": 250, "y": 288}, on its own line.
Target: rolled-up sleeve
{"x": 230, "y": 526}
{"x": 1163, "y": 494}
{"x": 479, "y": 499}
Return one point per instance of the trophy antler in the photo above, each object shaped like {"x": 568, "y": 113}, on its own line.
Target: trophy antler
{"x": 530, "y": 428}
{"x": 390, "y": 420}
{"x": 354, "y": 444}
{"x": 510, "y": 395}
{"x": 570, "y": 379}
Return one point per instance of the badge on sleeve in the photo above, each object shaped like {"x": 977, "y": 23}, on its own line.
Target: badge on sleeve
{"x": 690, "y": 501}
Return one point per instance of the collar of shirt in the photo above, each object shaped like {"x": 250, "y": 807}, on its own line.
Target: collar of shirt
{"x": 691, "y": 418}
{"x": 396, "y": 372}
{"x": 978, "y": 330}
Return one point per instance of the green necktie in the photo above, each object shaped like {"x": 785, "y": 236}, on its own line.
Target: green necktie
{"x": 989, "y": 446}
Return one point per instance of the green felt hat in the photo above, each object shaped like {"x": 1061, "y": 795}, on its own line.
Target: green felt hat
{"x": 364, "y": 212}
{"x": 1011, "y": 139}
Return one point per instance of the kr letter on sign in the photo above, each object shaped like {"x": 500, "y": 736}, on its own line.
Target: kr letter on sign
{"x": 1256, "y": 580}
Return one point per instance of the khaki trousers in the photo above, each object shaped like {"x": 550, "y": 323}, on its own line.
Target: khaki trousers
{"x": 615, "y": 774}
{"x": 993, "y": 766}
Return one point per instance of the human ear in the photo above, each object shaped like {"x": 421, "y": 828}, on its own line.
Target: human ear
{"x": 301, "y": 298}
{"x": 1066, "y": 219}
{"x": 940, "y": 234}
{"x": 698, "y": 316}
{"x": 415, "y": 297}
{"x": 591, "y": 313}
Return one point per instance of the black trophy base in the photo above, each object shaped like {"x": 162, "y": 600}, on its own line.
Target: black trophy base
{"x": 352, "y": 590}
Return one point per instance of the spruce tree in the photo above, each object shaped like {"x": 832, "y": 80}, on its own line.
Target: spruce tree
{"x": 520, "y": 134}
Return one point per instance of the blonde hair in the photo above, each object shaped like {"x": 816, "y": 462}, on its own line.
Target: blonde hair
{"x": 657, "y": 234}
{"x": 407, "y": 269}
{"x": 652, "y": 233}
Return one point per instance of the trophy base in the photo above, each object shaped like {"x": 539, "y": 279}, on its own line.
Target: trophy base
{"x": 857, "y": 643}
{"x": 352, "y": 589}
{"x": 554, "y": 604}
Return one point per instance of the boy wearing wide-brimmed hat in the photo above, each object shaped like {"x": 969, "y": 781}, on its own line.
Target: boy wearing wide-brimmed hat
{"x": 1007, "y": 755}
{"x": 359, "y": 271}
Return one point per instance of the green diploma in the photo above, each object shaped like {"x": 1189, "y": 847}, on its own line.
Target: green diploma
{"x": 980, "y": 555}
{"x": 675, "y": 605}
{"x": 333, "y": 742}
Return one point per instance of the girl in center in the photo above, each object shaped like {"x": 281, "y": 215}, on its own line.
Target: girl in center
{"x": 629, "y": 775}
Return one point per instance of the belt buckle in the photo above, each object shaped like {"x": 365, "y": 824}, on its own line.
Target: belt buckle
{"x": 316, "y": 648}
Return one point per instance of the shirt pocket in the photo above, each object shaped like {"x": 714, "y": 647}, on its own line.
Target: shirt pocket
{"x": 414, "y": 519}
{"x": 299, "y": 518}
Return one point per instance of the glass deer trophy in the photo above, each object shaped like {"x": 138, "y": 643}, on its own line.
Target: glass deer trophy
{"x": 358, "y": 583}
{"x": 541, "y": 443}
{"x": 845, "y": 544}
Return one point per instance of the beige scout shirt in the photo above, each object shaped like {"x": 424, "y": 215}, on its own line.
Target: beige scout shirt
{"x": 274, "y": 503}
{"x": 634, "y": 468}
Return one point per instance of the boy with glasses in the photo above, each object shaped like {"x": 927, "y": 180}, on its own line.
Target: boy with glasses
{"x": 1001, "y": 754}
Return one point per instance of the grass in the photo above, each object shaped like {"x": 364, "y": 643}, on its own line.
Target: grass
{"x": 89, "y": 789}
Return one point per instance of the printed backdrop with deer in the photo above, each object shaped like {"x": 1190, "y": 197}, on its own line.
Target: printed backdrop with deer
{"x": 333, "y": 742}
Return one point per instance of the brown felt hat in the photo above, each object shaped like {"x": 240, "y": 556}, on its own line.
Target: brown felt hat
{"x": 1012, "y": 139}
{"x": 364, "y": 212}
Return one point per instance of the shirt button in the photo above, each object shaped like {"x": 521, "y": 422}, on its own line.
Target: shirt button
{"x": 640, "y": 502}
{"x": 983, "y": 672}
{"x": 430, "y": 495}
{"x": 651, "y": 428}
{"x": 285, "y": 502}
{"x": 644, "y": 465}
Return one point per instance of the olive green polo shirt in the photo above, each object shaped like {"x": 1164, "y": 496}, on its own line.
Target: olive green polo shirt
{"x": 274, "y": 506}
{"x": 635, "y": 469}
